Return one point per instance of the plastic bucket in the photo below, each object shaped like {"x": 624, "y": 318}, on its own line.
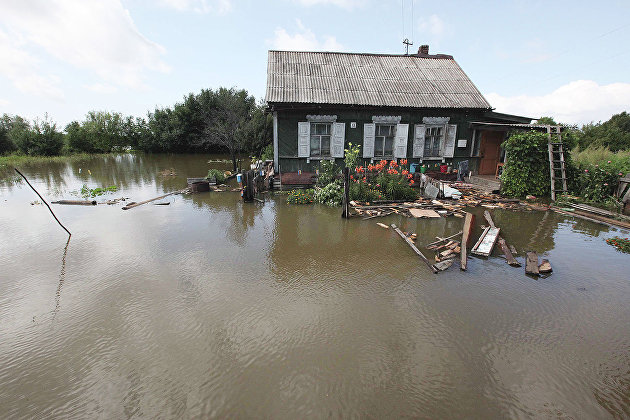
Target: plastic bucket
{"x": 238, "y": 177}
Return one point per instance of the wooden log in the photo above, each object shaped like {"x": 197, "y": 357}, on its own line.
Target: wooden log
{"x": 468, "y": 226}
{"x": 545, "y": 267}
{"x": 383, "y": 225}
{"x": 508, "y": 255}
{"x": 416, "y": 250}
{"x": 444, "y": 239}
{"x": 132, "y": 205}
{"x": 531, "y": 265}
{"x": 75, "y": 202}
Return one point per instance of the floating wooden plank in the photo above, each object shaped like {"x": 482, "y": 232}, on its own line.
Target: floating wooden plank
{"x": 423, "y": 213}
{"x": 132, "y": 205}
{"x": 383, "y": 225}
{"x": 416, "y": 250}
{"x": 531, "y": 265}
{"x": 468, "y": 225}
{"x": 545, "y": 267}
{"x": 443, "y": 265}
{"x": 508, "y": 254}
{"x": 75, "y": 202}
{"x": 485, "y": 244}
{"x": 444, "y": 239}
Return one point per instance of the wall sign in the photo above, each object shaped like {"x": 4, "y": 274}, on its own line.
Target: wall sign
{"x": 461, "y": 143}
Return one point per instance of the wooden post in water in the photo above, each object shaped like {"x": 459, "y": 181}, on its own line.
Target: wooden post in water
{"x": 248, "y": 186}
{"x": 468, "y": 225}
{"x": 345, "y": 213}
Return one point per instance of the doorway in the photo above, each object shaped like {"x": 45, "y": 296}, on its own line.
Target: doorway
{"x": 490, "y": 151}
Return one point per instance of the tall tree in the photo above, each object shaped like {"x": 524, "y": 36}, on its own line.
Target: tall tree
{"x": 226, "y": 124}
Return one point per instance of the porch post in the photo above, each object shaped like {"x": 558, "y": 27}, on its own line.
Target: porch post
{"x": 275, "y": 141}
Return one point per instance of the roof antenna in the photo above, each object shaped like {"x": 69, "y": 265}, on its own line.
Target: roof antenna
{"x": 407, "y": 44}
{"x": 406, "y": 40}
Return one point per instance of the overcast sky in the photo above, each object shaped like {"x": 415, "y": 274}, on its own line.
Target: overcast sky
{"x": 566, "y": 59}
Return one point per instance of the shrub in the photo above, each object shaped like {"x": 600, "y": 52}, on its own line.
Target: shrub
{"x": 382, "y": 181}
{"x": 300, "y": 196}
{"x": 330, "y": 195}
{"x": 267, "y": 153}
{"x": 218, "y": 175}
{"x": 40, "y": 139}
{"x": 327, "y": 172}
{"x": 352, "y": 155}
{"x": 598, "y": 183}
{"x": 362, "y": 191}
{"x": 527, "y": 165}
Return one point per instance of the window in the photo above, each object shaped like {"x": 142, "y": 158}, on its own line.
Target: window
{"x": 433, "y": 141}
{"x": 384, "y": 140}
{"x": 320, "y": 139}
{"x": 474, "y": 150}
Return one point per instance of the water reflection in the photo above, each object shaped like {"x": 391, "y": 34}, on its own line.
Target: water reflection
{"x": 211, "y": 307}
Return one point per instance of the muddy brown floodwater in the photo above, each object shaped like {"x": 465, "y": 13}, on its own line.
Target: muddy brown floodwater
{"x": 209, "y": 307}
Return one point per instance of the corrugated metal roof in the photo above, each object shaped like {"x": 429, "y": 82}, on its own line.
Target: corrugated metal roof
{"x": 370, "y": 79}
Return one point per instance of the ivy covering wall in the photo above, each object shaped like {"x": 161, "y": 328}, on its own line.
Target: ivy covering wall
{"x": 527, "y": 168}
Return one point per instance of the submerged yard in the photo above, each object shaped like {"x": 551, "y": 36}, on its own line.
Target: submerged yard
{"x": 212, "y": 307}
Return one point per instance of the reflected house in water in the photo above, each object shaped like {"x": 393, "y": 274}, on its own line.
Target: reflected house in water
{"x": 421, "y": 107}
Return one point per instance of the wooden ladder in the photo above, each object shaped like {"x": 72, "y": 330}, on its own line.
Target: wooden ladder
{"x": 557, "y": 168}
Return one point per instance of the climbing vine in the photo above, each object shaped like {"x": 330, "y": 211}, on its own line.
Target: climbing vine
{"x": 527, "y": 168}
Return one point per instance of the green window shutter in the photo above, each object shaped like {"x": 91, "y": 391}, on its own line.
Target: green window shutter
{"x": 420, "y": 131}
{"x": 304, "y": 139}
{"x": 369, "y": 131}
{"x": 338, "y": 140}
{"x": 400, "y": 142}
{"x": 449, "y": 145}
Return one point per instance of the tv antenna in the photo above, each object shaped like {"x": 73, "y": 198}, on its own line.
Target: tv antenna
{"x": 407, "y": 44}
{"x": 406, "y": 40}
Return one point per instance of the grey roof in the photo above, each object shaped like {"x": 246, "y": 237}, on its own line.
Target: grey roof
{"x": 370, "y": 79}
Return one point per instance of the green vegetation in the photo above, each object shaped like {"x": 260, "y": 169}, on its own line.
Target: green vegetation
{"x": 382, "y": 181}
{"x": 330, "y": 195}
{"x": 217, "y": 174}
{"x": 613, "y": 134}
{"x": 328, "y": 172}
{"x": 213, "y": 121}
{"x": 301, "y": 196}
{"x": 93, "y": 192}
{"x": 622, "y": 244}
{"x": 527, "y": 168}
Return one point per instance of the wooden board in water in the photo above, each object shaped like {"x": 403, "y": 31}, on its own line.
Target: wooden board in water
{"x": 485, "y": 245}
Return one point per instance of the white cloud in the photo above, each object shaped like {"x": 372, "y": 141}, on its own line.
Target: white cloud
{"x": 101, "y": 88}
{"x": 344, "y": 4}
{"x": 22, "y": 69}
{"x": 304, "y": 40}
{"x": 99, "y": 36}
{"x": 432, "y": 25}
{"x": 200, "y": 6}
{"x": 581, "y": 101}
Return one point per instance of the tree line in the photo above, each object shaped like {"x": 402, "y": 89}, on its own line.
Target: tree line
{"x": 212, "y": 121}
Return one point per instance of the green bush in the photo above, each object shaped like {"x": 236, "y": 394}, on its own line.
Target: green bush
{"x": 300, "y": 196}
{"x": 327, "y": 172}
{"x": 598, "y": 183}
{"x": 40, "y": 139}
{"x": 267, "y": 154}
{"x": 217, "y": 174}
{"x": 527, "y": 165}
{"x": 330, "y": 195}
{"x": 362, "y": 191}
{"x": 394, "y": 187}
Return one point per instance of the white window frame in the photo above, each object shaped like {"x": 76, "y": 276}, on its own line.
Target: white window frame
{"x": 440, "y": 154}
{"x": 329, "y": 135}
{"x": 393, "y": 138}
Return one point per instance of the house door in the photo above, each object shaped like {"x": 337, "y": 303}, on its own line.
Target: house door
{"x": 490, "y": 151}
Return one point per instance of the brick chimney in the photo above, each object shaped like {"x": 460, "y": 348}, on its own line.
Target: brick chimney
{"x": 423, "y": 50}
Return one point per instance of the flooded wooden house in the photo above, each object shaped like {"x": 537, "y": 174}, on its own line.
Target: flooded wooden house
{"x": 421, "y": 107}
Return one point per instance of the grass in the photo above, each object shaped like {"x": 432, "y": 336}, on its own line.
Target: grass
{"x": 602, "y": 155}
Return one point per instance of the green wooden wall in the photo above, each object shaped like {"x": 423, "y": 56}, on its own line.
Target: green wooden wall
{"x": 288, "y": 124}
